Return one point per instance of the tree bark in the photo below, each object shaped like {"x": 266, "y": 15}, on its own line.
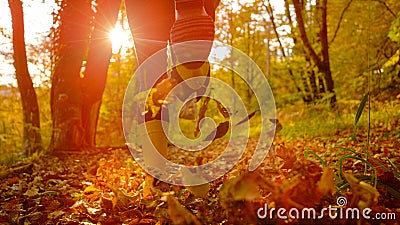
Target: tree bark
{"x": 66, "y": 98}
{"x": 31, "y": 135}
{"x": 322, "y": 63}
{"x": 325, "y": 67}
{"x": 76, "y": 97}
{"x": 303, "y": 34}
{"x": 98, "y": 60}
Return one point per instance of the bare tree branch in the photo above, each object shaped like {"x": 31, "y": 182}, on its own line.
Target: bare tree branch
{"x": 387, "y": 7}
{"x": 272, "y": 19}
{"x": 340, "y": 20}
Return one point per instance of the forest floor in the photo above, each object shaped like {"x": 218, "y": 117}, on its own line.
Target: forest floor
{"x": 106, "y": 186}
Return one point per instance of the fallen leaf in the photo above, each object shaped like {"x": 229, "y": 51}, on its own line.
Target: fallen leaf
{"x": 191, "y": 177}
{"x": 202, "y": 114}
{"x": 219, "y": 132}
{"x": 224, "y": 111}
{"x": 326, "y": 184}
{"x": 289, "y": 163}
{"x": 13, "y": 180}
{"x": 247, "y": 118}
{"x": 120, "y": 199}
{"x": 243, "y": 187}
{"x": 364, "y": 195}
{"x": 90, "y": 189}
{"x": 179, "y": 214}
{"x": 31, "y": 192}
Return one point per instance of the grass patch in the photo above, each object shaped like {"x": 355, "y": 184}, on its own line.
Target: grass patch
{"x": 319, "y": 121}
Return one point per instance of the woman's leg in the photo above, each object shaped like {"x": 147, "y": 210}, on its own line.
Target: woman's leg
{"x": 150, "y": 22}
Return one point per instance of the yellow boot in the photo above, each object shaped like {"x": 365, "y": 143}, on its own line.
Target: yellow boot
{"x": 155, "y": 145}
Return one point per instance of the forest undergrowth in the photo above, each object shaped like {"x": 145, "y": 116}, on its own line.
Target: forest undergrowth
{"x": 105, "y": 186}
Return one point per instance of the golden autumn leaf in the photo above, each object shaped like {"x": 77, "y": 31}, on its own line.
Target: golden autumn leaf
{"x": 120, "y": 200}
{"x": 326, "y": 184}
{"x": 364, "y": 195}
{"x": 90, "y": 189}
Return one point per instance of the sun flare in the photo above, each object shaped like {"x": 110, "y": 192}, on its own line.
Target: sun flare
{"x": 119, "y": 38}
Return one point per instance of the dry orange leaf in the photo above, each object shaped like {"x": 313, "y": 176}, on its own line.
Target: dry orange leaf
{"x": 219, "y": 132}
{"x": 243, "y": 187}
{"x": 224, "y": 111}
{"x": 197, "y": 190}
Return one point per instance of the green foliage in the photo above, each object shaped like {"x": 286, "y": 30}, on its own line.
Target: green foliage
{"x": 109, "y": 129}
{"x": 318, "y": 121}
{"x": 359, "y": 111}
{"x": 307, "y": 154}
{"x": 10, "y": 125}
{"x": 394, "y": 32}
{"x": 300, "y": 121}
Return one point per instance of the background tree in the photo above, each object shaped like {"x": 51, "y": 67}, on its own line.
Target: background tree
{"x": 31, "y": 119}
{"x": 66, "y": 94}
{"x": 76, "y": 96}
{"x": 244, "y": 28}
{"x": 321, "y": 59}
{"x": 98, "y": 60}
{"x": 284, "y": 50}
{"x": 121, "y": 68}
{"x": 369, "y": 45}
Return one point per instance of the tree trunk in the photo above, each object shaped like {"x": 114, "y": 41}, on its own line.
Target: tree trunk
{"x": 324, "y": 67}
{"x": 323, "y": 64}
{"x": 66, "y": 98}
{"x": 31, "y": 135}
{"x": 98, "y": 60}
{"x": 76, "y": 97}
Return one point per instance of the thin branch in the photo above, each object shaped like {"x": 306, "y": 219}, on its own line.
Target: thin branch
{"x": 272, "y": 19}
{"x": 340, "y": 20}
{"x": 387, "y": 7}
{"x": 289, "y": 17}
